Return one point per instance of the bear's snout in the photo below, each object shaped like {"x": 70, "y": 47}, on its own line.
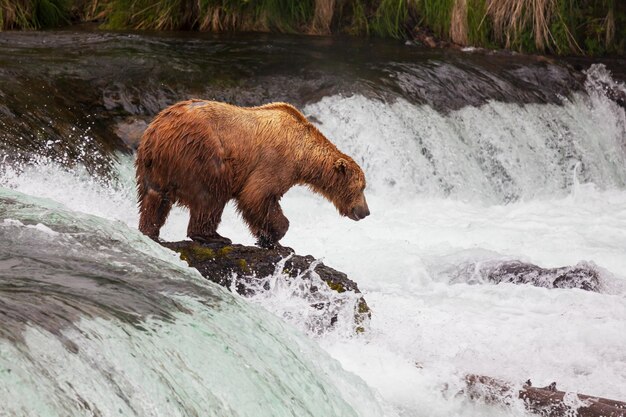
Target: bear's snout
{"x": 360, "y": 212}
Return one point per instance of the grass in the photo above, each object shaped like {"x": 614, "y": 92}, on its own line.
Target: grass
{"x": 32, "y": 14}
{"x": 390, "y": 18}
{"x": 437, "y": 15}
{"x": 591, "y": 27}
{"x": 212, "y": 15}
{"x": 322, "y": 17}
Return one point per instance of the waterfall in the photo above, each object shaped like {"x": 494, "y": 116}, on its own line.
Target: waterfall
{"x": 98, "y": 320}
{"x": 471, "y": 158}
{"x": 496, "y": 152}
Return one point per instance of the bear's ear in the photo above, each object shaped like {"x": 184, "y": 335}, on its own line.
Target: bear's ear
{"x": 341, "y": 165}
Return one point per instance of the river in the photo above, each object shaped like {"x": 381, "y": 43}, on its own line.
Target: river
{"x": 471, "y": 157}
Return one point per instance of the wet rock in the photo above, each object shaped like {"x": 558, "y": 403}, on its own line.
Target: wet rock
{"x": 546, "y": 401}
{"x": 615, "y": 94}
{"x": 130, "y": 131}
{"x": 583, "y": 275}
{"x": 244, "y": 269}
{"x": 426, "y": 37}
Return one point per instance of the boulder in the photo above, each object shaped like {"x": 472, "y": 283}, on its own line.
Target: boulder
{"x": 244, "y": 269}
{"x": 584, "y": 275}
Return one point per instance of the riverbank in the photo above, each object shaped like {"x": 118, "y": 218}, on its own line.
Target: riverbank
{"x": 562, "y": 27}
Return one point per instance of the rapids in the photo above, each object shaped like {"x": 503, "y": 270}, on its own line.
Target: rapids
{"x": 469, "y": 158}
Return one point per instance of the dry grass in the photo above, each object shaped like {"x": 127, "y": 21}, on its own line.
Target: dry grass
{"x": 322, "y": 17}
{"x": 458, "y": 23}
{"x": 219, "y": 19}
{"x": 510, "y": 17}
{"x": 33, "y": 14}
{"x": 516, "y": 24}
{"x": 89, "y": 10}
{"x": 609, "y": 28}
{"x": 213, "y": 21}
{"x": 15, "y": 14}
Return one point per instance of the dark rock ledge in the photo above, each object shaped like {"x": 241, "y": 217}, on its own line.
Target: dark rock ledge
{"x": 221, "y": 263}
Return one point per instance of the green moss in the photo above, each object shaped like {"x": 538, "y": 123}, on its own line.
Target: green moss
{"x": 336, "y": 286}
{"x": 196, "y": 253}
{"x": 362, "y": 307}
{"x": 225, "y": 251}
{"x": 363, "y": 313}
{"x": 243, "y": 265}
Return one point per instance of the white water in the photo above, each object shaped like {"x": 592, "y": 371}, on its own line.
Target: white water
{"x": 430, "y": 217}
{"x": 197, "y": 350}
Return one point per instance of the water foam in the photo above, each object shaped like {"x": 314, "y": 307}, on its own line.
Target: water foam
{"x": 211, "y": 353}
{"x": 498, "y": 152}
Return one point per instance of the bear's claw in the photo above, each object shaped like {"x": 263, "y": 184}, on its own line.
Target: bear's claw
{"x": 266, "y": 243}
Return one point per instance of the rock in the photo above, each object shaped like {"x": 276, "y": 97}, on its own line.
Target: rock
{"x": 583, "y": 275}
{"x": 546, "y": 401}
{"x": 130, "y": 130}
{"x": 616, "y": 94}
{"x": 244, "y": 269}
{"x": 427, "y": 37}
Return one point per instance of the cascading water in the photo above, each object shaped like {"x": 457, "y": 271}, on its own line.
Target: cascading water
{"x": 496, "y": 152}
{"x": 99, "y": 321}
{"x": 470, "y": 159}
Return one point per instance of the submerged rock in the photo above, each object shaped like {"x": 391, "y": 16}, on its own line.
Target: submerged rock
{"x": 583, "y": 275}
{"x": 245, "y": 269}
{"x": 545, "y": 401}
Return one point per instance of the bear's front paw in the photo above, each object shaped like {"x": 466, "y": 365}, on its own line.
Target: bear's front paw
{"x": 266, "y": 243}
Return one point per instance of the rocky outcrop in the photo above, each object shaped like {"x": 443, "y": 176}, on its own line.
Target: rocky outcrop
{"x": 243, "y": 268}
{"x": 583, "y": 275}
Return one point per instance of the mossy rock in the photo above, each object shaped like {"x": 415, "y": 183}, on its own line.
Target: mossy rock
{"x": 221, "y": 263}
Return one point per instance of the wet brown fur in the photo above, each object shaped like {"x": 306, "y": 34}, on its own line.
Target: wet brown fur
{"x": 201, "y": 154}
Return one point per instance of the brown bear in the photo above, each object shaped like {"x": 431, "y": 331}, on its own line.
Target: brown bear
{"x": 201, "y": 154}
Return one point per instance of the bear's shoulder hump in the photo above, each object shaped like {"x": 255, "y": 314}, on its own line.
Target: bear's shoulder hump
{"x": 286, "y": 108}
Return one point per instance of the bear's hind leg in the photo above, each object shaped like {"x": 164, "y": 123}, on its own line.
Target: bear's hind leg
{"x": 154, "y": 207}
{"x": 203, "y": 222}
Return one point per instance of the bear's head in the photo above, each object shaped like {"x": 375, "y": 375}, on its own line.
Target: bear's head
{"x": 346, "y": 193}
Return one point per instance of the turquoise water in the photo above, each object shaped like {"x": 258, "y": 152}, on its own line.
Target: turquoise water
{"x": 102, "y": 321}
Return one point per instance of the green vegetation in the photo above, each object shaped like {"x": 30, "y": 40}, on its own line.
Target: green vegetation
{"x": 209, "y": 15}
{"x": 33, "y": 14}
{"x": 197, "y": 253}
{"x": 591, "y": 27}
